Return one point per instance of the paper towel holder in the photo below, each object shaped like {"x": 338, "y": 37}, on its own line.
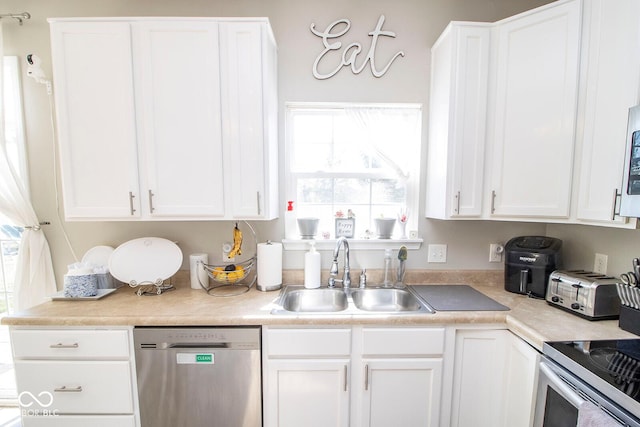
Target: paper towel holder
{"x": 261, "y": 286}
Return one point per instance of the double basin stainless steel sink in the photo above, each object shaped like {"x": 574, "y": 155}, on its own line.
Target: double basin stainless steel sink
{"x": 298, "y": 300}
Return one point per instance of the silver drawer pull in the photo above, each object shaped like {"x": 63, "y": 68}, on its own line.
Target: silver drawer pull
{"x": 60, "y": 345}
{"x": 64, "y": 389}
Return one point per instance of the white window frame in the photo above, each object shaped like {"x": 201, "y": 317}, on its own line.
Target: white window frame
{"x": 412, "y": 189}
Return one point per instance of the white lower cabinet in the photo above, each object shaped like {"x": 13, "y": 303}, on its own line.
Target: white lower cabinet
{"x": 494, "y": 379}
{"x": 401, "y": 392}
{"x": 74, "y": 377}
{"x": 356, "y": 376}
{"x": 310, "y": 393}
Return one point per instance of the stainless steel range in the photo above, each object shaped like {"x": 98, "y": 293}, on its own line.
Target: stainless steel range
{"x": 599, "y": 379}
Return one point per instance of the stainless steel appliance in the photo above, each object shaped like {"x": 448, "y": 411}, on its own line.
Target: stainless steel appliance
{"x": 593, "y": 296}
{"x": 199, "y": 377}
{"x": 630, "y": 194}
{"x": 529, "y": 262}
{"x": 601, "y": 377}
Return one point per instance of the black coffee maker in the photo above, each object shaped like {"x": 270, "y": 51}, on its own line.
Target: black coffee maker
{"x": 529, "y": 262}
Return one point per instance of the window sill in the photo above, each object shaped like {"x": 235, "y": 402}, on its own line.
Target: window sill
{"x": 360, "y": 244}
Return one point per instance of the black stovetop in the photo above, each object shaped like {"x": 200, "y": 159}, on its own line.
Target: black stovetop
{"x": 611, "y": 367}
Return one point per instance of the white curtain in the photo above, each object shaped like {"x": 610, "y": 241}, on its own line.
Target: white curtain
{"x": 35, "y": 279}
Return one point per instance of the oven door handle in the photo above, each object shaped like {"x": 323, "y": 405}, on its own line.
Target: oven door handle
{"x": 561, "y": 386}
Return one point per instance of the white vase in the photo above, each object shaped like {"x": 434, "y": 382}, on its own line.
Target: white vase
{"x": 403, "y": 229}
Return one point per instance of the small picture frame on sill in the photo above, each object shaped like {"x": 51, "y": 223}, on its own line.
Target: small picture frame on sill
{"x": 345, "y": 227}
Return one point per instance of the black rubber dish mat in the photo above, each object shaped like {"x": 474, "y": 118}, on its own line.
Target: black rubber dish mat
{"x": 457, "y": 298}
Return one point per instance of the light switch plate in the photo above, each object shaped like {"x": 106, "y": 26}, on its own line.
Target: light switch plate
{"x": 437, "y": 253}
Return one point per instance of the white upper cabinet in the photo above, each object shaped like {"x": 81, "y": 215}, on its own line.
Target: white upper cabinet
{"x": 249, "y": 100}
{"x": 177, "y": 75}
{"x": 551, "y": 120}
{"x": 457, "y": 125}
{"x": 609, "y": 85}
{"x": 168, "y": 120}
{"x": 95, "y": 108}
{"x": 533, "y": 111}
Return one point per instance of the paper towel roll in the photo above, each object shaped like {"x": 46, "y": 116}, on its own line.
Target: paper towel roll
{"x": 269, "y": 266}
{"x": 197, "y": 272}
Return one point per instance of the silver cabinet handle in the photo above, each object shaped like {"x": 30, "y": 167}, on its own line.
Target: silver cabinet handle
{"x": 616, "y": 194}
{"x": 346, "y": 377}
{"x": 366, "y": 377}
{"x": 258, "y": 200}
{"x": 493, "y": 201}
{"x": 60, "y": 345}
{"x": 457, "y": 210}
{"x": 65, "y": 389}
{"x": 151, "y": 208}
{"x": 131, "y": 209}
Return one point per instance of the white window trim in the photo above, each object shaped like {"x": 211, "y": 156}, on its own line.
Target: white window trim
{"x": 361, "y": 244}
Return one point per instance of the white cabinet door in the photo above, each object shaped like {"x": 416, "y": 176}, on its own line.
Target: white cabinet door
{"x": 521, "y": 378}
{"x": 478, "y": 378}
{"x": 247, "y": 58}
{"x": 307, "y": 392}
{"x": 401, "y": 392}
{"x": 177, "y": 71}
{"x": 534, "y": 110}
{"x": 495, "y": 374}
{"x": 92, "y": 68}
{"x": 457, "y": 121}
{"x": 610, "y": 84}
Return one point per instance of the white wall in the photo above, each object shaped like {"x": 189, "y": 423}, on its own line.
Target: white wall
{"x": 417, "y": 24}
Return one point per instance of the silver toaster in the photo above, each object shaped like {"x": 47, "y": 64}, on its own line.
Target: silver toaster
{"x": 590, "y": 295}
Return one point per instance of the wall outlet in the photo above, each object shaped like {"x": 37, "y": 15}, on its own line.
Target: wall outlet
{"x": 600, "y": 264}
{"x": 437, "y": 253}
{"x": 495, "y": 252}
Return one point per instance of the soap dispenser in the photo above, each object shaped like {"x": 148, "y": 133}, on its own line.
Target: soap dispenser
{"x": 312, "y": 267}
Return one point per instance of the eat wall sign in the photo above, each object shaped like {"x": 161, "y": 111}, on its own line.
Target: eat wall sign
{"x": 351, "y": 54}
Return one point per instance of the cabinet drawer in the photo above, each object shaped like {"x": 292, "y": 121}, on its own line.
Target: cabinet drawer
{"x": 70, "y": 344}
{"x": 75, "y": 387}
{"x": 403, "y": 341}
{"x": 308, "y": 342}
{"x": 80, "y": 421}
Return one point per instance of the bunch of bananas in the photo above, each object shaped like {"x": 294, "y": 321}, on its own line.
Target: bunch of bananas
{"x": 237, "y": 243}
{"x": 229, "y": 274}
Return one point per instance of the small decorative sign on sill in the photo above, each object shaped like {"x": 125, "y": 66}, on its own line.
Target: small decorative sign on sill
{"x": 345, "y": 226}
{"x": 351, "y": 51}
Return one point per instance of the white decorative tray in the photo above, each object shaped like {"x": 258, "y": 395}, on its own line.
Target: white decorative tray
{"x": 59, "y": 296}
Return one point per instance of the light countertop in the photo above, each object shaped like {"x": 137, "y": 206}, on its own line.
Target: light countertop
{"x": 532, "y": 319}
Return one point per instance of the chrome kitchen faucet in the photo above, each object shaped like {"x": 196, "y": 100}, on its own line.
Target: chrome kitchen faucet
{"x": 346, "y": 278}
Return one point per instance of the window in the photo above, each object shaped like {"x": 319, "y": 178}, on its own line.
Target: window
{"x": 359, "y": 157}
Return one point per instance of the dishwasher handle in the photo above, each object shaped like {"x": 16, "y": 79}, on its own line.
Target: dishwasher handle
{"x": 193, "y": 346}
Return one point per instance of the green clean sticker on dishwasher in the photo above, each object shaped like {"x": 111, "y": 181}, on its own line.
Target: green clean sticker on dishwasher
{"x": 195, "y": 358}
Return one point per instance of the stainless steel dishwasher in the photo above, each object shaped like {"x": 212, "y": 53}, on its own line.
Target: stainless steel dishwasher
{"x": 199, "y": 377}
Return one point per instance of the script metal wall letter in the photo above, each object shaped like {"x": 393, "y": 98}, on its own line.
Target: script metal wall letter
{"x": 351, "y": 52}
